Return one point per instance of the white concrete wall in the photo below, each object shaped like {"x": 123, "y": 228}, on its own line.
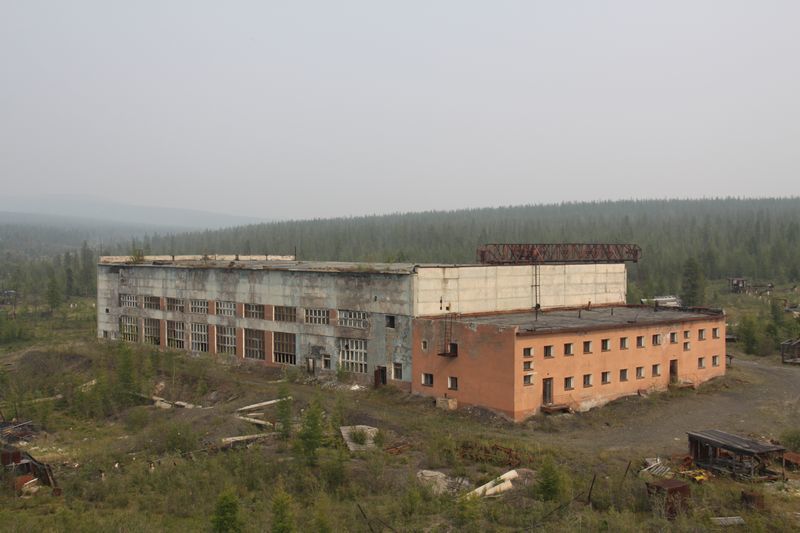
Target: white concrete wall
{"x": 476, "y": 289}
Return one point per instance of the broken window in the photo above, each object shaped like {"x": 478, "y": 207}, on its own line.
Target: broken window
{"x": 452, "y": 383}
{"x": 605, "y": 378}
{"x": 199, "y": 337}
{"x": 568, "y": 348}
{"x": 176, "y": 334}
{"x": 127, "y": 300}
{"x": 656, "y": 370}
{"x": 639, "y": 372}
{"x": 673, "y": 337}
{"x": 623, "y": 343}
{"x": 656, "y": 340}
{"x": 527, "y": 379}
{"x": 175, "y": 304}
{"x": 569, "y": 383}
{"x": 714, "y": 360}
{"x": 284, "y": 348}
{"x": 640, "y": 341}
{"x": 587, "y": 380}
{"x": 326, "y": 361}
{"x": 198, "y": 307}
{"x": 152, "y": 331}
{"x": 701, "y": 362}
{"x": 285, "y": 314}
{"x": 254, "y": 344}
{"x": 390, "y": 321}
{"x": 226, "y": 308}
{"x": 427, "y": 380}
{"x": 353, "y": 355}
{"x": 605, "y": 345}
{"x": 353, "y": 319}
{"x": 527, "y": 352}
{"x": 226, "y": 340}
{"x": 623, "y": 374}
{"x": 254, "y": 311}
{"x": 128, "y": 328}
{"x": 587, "y": 346}
{"x": 152, "y": 302}
{"x": 317, "y": 316}
{"x": 548, "y": 351}
{"x": 397, "y": 371}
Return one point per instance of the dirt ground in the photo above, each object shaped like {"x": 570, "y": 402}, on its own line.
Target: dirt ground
{"x": 759, "y": 397}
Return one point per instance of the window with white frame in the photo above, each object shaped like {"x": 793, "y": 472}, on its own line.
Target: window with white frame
{"x": 152, "y": 302}
{"x": 714, "y": 360}
{"x": 623, "y": 343}
{"x": 427, "y": 380}
{"x": 715, "y": 333}
{"x": 176, "y": 334}
{"x": 605, "y": 378}
{"x": 152, "y": 331}
{"x": 656, "y": 340}
{"x": 198, "y": 307}
{"x": 226, "y": 340}
{"x": 640, "y": 341}
{"x": 226, "y": 308}
{"x": 128, "y": 328}
{"x": 701, "y": 334}
{"x": 568, "y": 348}
{"x": 569, "y": 383}
{"x": 548, "y": 351}
{"x": 199, "y": 337}
{"x": 701, "y": 362}
{"x": 587, "y": 380}
{"x": 284, "y": 348}
{"x": 353, "y": 355}
{"x": 527, "y": 379}
{"x": 285, "y": 314}
{"x": 527, "y": 352}
{"x": 127, "y": 300}
{"x": 587, "y": 346}
{"x": 656, "y": 370}
{"x": 687, "y": 346}
{"x": 605, "y": 345}
{"x": 317, "y": 316}
{"x": 353, "y": 319}
{"x": 639, "y": 372}
{"x": 254, "y": 344}
{"x": 527, "y": 365}
{"x": 254, "y": 311}
{"x": 175, "y": 304}
{"x": 452, "y": 383}
{"x": 673, "y": 337}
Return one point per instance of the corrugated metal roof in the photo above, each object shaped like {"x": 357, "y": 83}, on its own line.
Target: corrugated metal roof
{"x": 734, "y": 443}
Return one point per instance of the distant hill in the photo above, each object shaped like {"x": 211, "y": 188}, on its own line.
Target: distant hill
{"x": 755, "y": 238}
{"x": 87, "y": 207}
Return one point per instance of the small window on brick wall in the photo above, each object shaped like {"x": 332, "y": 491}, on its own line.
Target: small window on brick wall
{"x": 605, "y": 345}
{"x": 623, "y": 374}
{"x": 452, "y": 383}
{"x": 569, "y": 383}
{"x": 623, "y": 343}
{"x": 568, "y": 348}
{"x": 427, "y": 380}
{"x": 605, "y": 378}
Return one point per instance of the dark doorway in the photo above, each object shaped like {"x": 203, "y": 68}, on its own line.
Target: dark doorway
{"x": 311, "y": 365}
{"x": 673, "y": 371}
{"x": 380, "y": 376}
{"x": 547, "y": 391}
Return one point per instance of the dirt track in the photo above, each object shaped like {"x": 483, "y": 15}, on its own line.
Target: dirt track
{"x": 757, "y": 397}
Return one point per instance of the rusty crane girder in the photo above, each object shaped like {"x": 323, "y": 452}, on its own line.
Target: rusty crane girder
{"x": 527, "y": 254}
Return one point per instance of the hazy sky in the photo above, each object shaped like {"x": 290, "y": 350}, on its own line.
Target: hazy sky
{"x": 306, "y": 109}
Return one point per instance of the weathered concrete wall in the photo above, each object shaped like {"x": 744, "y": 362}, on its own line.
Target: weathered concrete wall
{"x": 377, "y": 294}
{"x": 478, "y": 289}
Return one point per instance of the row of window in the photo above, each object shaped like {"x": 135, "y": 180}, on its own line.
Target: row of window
{"x": 352, "y": 352}
{"x": 427, "y": 381}
{"x": 605, "y": 344}
{"x": 605, "y": 377}
{"x": 347, "y": 317}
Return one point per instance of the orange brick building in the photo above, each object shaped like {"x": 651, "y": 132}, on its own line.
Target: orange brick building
{"x": 516, "y": 363}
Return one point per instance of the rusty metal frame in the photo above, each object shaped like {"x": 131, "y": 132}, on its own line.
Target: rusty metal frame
{"x": 527, "y": 254}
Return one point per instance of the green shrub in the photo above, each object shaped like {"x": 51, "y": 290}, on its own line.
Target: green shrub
{"x": 358, "y": 436}
{"x": 226, "y": 514}
{"x": 550, "y": 481}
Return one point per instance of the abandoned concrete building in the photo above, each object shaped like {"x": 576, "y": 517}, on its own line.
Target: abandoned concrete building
{"x": 412, "y": 325}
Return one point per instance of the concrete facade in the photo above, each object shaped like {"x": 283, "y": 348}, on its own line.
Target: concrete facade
{"x": 503, "y": 361}
{"x": 133, "y": 302}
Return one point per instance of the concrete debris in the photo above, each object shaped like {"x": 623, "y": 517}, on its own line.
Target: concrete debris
{"x": 441, "y": 483}
{"x": 350, "y": 435}
{"x": 495, "y": 486}
{"x": 448, "y": 404}
{"x": 728, "y": 521}
{"x": 262, "y": 404}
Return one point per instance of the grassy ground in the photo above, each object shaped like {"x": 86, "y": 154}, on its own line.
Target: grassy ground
{"x": 124, "y": 464}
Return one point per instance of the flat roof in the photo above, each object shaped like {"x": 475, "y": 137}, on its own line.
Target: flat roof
{"x": 605, "y": 317}
{"x": 267, "y": 264}
{"x": 734, "y": 443}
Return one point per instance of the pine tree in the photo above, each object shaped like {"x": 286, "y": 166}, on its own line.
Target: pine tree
{"x": 282, "y": 513}
{"x": 550, "y": 484}
{"x": 226, "y": 514}
{"x": 310, "y": 436}
{"x": 694, "y": 285}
